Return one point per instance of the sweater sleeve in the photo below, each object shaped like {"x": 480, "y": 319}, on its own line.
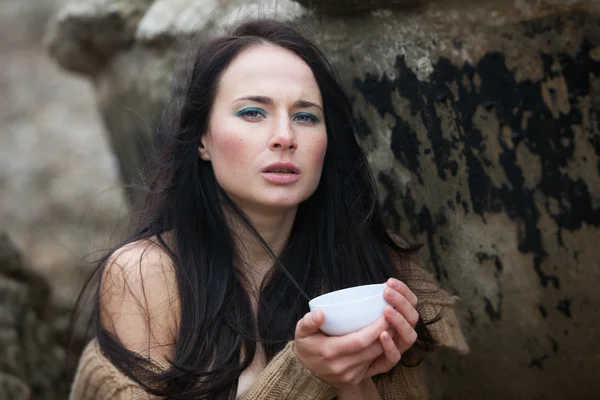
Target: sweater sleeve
{"x": 435, "y": 304}
{"x": 406, "y": 383}
{"x": 285, "y": 377}
{"x": 97, "y": 378}
{"x": 409, "y": 382}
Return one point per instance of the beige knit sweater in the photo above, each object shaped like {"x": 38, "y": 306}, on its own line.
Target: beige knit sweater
{"x": 285, "y": 377}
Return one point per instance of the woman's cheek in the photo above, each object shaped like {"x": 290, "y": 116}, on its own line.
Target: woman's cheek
{"x": 232, "y": 149}
{"x": 319, "y": 151}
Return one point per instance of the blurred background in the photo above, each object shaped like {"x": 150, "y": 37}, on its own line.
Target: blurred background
{"x": 60, "y": 189}
{"x": 481, "y": 120}
{"x": 60, "y": 198}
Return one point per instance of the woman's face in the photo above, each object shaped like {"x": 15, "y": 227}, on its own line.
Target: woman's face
{"x": 266, "y": 138}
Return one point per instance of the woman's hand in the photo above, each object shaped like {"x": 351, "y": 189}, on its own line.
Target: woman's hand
{"x": 344, "y": 361}
{"x": 340, "y": 361}
{"x": 403, "y": 317}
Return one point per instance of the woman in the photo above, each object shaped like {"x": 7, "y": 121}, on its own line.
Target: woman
{"x": 262, "y": 199}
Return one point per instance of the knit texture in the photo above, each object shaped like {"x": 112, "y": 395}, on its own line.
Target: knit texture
{"x": 285, "y": 377}
{"x": 402, "y": 383}
{"x": 98, "y": 379}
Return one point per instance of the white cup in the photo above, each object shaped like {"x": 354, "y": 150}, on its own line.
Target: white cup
{"x": 349, "y": 310}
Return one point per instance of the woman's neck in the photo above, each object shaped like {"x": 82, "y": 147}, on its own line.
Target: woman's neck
{"x": 275, "y": 229}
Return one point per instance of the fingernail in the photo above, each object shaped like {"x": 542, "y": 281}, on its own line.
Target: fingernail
{"x": 313, "y": 319}
{"x": 393, "y": 282}
{"x": 391, "y": 293}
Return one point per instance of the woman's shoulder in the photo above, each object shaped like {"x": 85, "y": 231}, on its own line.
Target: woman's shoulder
{"x": 140, "y": 260}
{"x": 139, "y": 302}
{"x": 143, "y": 265}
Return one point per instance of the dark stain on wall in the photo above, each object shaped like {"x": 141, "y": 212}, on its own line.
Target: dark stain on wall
{"x": 537, "y": 362}
{"x": 405, "y": 146}
{"x": 548, "y": 134}
{"x": 564, "y": 306}
{"x": 549, "y": 137}
{"x": 545, "y": 279}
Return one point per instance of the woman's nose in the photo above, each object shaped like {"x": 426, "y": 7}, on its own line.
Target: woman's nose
{"x": 283, "y": 137}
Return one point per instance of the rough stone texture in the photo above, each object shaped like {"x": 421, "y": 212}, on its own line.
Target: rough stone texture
{"x": 29, "y": 365}
{"x": 60, "y": 192}
{"x": 484, "y": 134}
{"x": 86, "y": 34}
{"x": 482, "y": 124}
{"x": 60, "y": 201}
{"x": 341, "y": 7}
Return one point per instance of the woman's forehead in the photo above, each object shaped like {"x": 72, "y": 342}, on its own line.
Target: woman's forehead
{"x": 268, "y": 70}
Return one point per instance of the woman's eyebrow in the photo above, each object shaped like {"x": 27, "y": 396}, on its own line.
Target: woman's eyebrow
{"x": 305, "y": 104}
{"x": 257, "y": 99}
{"x": 268, "y": 100}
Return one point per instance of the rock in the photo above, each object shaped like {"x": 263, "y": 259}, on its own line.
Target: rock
{"x": 172, "y": 19}
{"x": 344, "y": 7}
{"x": 481, "y": 127}
{"x": 61, "y": 199}
{"x": 85, "y": 34}
{"x": 481, "y": 124}
{"x": 29, "y": 366}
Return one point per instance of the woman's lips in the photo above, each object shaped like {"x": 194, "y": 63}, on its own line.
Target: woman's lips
{"x": 280, "y": 178}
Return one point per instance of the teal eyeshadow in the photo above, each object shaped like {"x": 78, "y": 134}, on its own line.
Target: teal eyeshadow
{"x": 258, "y": 110}
{"x": 317, "y": 119}
{"x": 261, "y": 111}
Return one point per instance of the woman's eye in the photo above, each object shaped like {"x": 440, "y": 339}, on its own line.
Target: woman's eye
{"x": 251, "y": 113}
{"x": 306, "y": 118}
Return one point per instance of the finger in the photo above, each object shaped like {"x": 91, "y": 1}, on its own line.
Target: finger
{"x": 402, "y": 305}
{"x": 360, "y": 340}
{"x": 391, "y": 331}
{"x": 357, "y": 365}
{"x": 356, "y": 374}
{"x": 406, "y": 335}
{"x": 310, "y": 324}
{"x": 391, "y": 357}
{"x": 368, "y": 354}
{"x": 404, "y": 290}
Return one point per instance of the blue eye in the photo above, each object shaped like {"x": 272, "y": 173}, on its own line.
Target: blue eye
{"x": 306, "y": 118}
{"x": 251, "y": 113}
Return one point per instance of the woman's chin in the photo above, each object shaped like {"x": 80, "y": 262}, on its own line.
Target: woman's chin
{"x": 279, "y": 203}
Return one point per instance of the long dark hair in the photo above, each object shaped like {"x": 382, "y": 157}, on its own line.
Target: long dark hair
{"x": 338, "y": 238}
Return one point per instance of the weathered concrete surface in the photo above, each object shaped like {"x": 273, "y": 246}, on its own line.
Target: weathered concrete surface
{"x": 60, "y": 194}
{"x": 29, "y": 364}
{"x": 61, "y": 200}
{"x": 344, "y": 7}
{"x": 482, "y": 124}
{"x": 493, "y": 128}
{"x": 485, "y": 136}
{"x": 90, "y": 32}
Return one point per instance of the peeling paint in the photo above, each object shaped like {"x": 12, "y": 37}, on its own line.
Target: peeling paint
{"x": 482, "y": 141}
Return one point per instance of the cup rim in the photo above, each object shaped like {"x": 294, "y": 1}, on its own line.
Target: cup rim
{"x": 311, "y": 302}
